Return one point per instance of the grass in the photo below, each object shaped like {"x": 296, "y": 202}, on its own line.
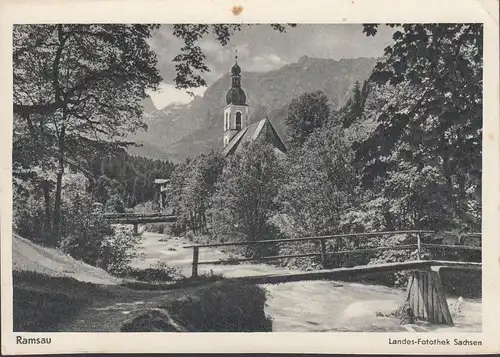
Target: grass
{"x": 40, "y": 302}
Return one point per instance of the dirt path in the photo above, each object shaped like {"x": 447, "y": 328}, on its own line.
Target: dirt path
{"x": 121, "y": 305}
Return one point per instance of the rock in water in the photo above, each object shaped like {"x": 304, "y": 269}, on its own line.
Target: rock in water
{"x": 405, "y": 314}
{"x": 155, "y": 320}
{"x": 456, "y": 309}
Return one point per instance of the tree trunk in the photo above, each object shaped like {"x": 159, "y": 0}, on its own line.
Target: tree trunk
{"x": 56, "y": 225}
{"x": 48, "y": 213}
{"x": 57, "y": 222}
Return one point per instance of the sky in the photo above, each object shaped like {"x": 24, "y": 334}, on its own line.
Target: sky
{"x": 261, "y": 49}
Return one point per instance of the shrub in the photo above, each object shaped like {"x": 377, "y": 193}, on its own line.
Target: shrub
{"x": 158, "y": 272}
{"x": 30, "y": 218}
{"x": 117, "y": 249}
{"x": 89, "y": 238}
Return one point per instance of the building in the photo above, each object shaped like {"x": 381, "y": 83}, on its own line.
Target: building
{"x": 162, "y": 187}
{"x": 238, "y": 131}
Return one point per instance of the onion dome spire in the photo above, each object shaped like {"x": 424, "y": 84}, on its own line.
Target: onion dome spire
{"x": 236, "y": 95}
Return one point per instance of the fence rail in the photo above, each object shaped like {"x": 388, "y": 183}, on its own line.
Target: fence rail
{"x": 323, "y": 253}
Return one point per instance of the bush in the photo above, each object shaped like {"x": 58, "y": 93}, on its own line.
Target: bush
{"x": 117, "y": 249}
{"x": 177, "y": 229}
{"x": 115, "y": 204}
{"x": 29, "y": 216}
{"x": 158, "y": 272}
{"x": 88, "y": 237}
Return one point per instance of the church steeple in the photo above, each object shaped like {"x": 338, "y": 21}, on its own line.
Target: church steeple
{"x": 236, "y": 95}
{"x": 236, "y": 110}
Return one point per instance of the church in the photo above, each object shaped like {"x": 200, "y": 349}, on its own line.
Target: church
{"x": 238, "y": 131}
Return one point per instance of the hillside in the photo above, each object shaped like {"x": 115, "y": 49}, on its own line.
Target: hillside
{"x": 179, "y": 131}
{"x": 28, "y": 256}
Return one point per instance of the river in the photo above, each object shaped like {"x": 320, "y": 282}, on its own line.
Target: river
{"x": 308, "y": 305}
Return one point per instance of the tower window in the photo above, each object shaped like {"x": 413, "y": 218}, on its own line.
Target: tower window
{"x": 238, "y": 120}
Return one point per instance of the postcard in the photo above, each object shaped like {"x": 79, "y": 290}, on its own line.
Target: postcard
{"x": 250, "y": 176}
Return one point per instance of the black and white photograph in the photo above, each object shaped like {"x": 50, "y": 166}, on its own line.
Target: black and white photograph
{"x": 248, "y": 177}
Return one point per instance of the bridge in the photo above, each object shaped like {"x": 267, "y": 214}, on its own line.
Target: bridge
{"x": 426, "y": 295}
{"x": 138, "y": 218}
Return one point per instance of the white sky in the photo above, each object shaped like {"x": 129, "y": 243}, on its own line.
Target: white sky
{"x": 260, "y": 48}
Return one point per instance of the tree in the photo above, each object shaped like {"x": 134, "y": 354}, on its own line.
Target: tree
{"x": 353, "y": 109}
{"x": 196, "y": 189}
{"x": 428, "y": 137}
{"x": 321, "y": 180}
{"x": 246, "y": 194}
{"x": 305, "y": 114}
{"x": 80, "y": 86}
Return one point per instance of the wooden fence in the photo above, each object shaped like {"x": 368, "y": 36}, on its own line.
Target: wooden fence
{"x": 323, "y": 253}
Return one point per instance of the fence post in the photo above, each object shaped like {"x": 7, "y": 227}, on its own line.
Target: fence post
{"x": 323, "y": 252}
{"x": 194, "y": 273}
{"x": 419, "y": 246}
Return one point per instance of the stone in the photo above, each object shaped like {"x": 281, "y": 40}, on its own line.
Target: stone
{"x": 154, "y": 320}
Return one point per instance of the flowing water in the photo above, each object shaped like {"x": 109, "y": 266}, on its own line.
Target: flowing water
{"x": 308, "y": 305}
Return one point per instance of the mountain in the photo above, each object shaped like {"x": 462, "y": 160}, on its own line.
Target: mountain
{"x": 179, "y": 131}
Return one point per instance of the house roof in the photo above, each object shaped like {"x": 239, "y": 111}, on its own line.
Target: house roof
{"x": 263, "y": 129}
{"x": 161, "y": 181}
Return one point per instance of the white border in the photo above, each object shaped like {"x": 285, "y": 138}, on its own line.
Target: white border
{"x": 260, "y": 11}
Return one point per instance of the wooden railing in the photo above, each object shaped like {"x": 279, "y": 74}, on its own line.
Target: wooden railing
{"x": 323, "y": 253}
{"x": 139, "y": 217}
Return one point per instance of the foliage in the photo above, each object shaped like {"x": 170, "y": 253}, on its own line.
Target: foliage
{"x": 403, "y": 153}
{"x": 305, "y": 114}
{"x": 129, "y": 177}
{"x": 426, "y": 146}
{"x": 158, "y": 272}
{"x": 87, "y": 236}
{"x": 246, "y": 196}
{"x": 29, "y": 213}
{"x": 193, "y": 185}
{"x": 79, "y": 89}
{"x": 353, "y": 109}
{"x": 321, "y": 182}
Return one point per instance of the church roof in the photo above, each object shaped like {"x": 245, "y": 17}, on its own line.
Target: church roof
{"x": 262, "y": 130}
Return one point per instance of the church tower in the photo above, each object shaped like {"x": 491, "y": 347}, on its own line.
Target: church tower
{"x": 236, "y": 110}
